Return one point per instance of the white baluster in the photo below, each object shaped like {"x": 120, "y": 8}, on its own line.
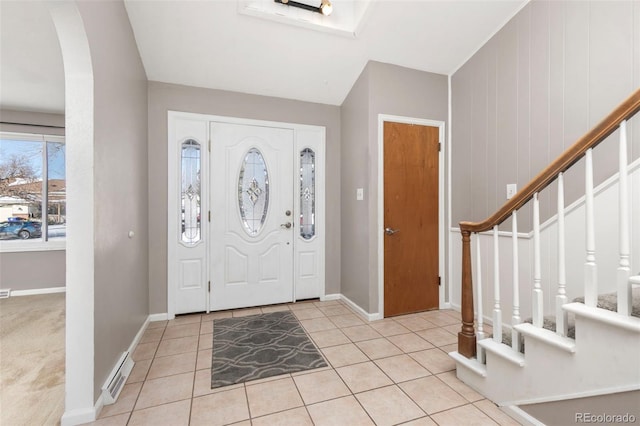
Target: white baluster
{"x": 561, "y": 297}
{"x": 515, "y": 316}
{"x": 590, "y": 267}
{"x": 497, "y": 314}
{"x": 624, "y": 271}
{"x": 538, "y": 313}
{"x": 480, "y": 335}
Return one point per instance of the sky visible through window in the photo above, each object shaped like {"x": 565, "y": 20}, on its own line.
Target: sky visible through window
{"x": 32, "y": 150}
{"x": 32, "y": 188}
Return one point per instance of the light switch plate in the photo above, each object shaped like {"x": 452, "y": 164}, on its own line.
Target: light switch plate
{"x": 512, "y": 188}
{"x": 359, "y": 194}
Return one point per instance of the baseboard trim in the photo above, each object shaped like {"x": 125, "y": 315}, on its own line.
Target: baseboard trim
{"x": 132, "y": 347}
{"x": 78, "y": 417}
{"x": 521, "y": 416}
{"x": 38, "y": 291}
{"x": 364, "y": 314}
{"x": 136, "y": 339}
{"x": 576, "y": 395}
{"x": 158, "y": 317}
{"x": 327, "y": 297}
{"x": 82, "y": 416}
{"x": 99, "y": 406}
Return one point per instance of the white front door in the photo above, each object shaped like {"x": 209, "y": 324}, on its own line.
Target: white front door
{"x": 252, "y": 224}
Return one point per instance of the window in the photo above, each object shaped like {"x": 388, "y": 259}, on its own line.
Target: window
{"x": 253, "y": 191}
{"x": 190, "y": 233}
{"x": 307, "y": 193}
{"x": 32, "y": 192}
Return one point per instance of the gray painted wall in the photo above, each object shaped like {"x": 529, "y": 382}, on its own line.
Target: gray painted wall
{"x": 355, "y": 156}
{"x": 564, "y": 412}
{"x": 32, "y": 270}
{"x": 25, "y": 118}
{"x": 381, "y": 89}
{"x": 121, "y": 298}
{"x": 552, "y": 73}
{"x": 164, "y": 97}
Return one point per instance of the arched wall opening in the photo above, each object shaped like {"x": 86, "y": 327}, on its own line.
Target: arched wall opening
{"x": 79, "y": 108}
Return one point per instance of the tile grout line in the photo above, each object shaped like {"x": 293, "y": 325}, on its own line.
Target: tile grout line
{"x": 330, "y": 366}
{"x": 246, "y": 400}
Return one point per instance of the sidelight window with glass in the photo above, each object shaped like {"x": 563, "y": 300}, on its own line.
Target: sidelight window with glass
{"x": 191, "y": 165}
{"x": 307, "y": 193}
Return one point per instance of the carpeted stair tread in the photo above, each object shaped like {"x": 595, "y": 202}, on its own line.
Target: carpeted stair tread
{"x": 549, "y": 323}
{"x": 607, "y": 301}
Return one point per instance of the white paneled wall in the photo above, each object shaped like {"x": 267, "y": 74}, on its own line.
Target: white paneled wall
{"x": 634, "y": 185}
{"x": 607, "y": 257}
{"x": 546, "y": 78}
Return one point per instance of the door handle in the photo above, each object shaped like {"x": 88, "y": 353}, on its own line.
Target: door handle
{"x": 390, "y": 231}
{"x": 286, "y": 225}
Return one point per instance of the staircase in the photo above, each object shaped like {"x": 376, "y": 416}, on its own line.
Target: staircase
{"x": 602, "y": 359}
{"x": 567, "y": 350}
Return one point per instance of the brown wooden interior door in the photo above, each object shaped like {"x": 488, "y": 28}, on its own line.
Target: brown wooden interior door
{"x": 411, "y": 210}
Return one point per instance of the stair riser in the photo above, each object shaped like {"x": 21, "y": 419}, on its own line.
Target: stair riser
{"x": 605, "y": 360}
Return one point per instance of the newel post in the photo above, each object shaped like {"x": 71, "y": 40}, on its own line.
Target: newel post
{"x": 466, "y": 336}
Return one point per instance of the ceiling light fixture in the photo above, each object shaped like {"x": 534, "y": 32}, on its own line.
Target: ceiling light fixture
{"x": 325, "y": 6}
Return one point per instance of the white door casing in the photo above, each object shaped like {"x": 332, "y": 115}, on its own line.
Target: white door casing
{"x": 188, "y": 292}
{"x": 251, "y": 256}
{"x": 309, "y": 252}
{"x": 441, "y": 218}
{"x": 306, "y": 257}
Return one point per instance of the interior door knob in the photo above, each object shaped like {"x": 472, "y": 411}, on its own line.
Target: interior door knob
{"x": 286, "y": 225}
{"x": 390, "y": 231}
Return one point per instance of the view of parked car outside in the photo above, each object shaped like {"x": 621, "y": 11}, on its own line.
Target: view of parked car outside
{"x": 20, "y": 229}
{"x": 32, "y": 188}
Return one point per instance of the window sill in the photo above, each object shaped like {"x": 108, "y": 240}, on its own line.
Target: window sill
{"x": 26, "y": 246}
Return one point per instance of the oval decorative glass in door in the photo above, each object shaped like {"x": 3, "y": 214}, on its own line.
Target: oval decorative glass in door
{"x": 190, "y": 192}
{"x": 253, "y": 191}
{"x": 307, "y": 193}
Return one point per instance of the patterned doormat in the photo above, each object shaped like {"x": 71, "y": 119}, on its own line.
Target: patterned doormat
{"x": 259, "y": 346}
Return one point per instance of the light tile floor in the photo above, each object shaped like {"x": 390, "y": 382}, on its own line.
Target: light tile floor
{"x": 388, "y": 372}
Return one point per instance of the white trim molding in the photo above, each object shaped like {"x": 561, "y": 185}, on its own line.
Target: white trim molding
{"x": 38, "y": 291}
{"x": 364, "y": 314}
{"x": 36, "y": 244}
{"x": 80, "y": 139}
{"x": 327, "y": 297}
{"x": 382, "y": 118}
{"x": 447, "y": 150}
{"x": 305, "y": 135}
{"x": 521, "y": 416}
{"x": 132, "y": 347}
{"x": 20, "y": 246}
{"x": 159, "y": 317}
{"x": 608, "y": 183}
{"x": 505, "y": 234}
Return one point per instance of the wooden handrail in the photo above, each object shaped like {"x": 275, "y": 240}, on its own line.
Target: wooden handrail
{"x": 624, "y": 111}
{"x": 592, "y": 138}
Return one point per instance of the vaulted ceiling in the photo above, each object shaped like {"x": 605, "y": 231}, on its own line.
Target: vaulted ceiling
{"x": 226, "y": 44}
